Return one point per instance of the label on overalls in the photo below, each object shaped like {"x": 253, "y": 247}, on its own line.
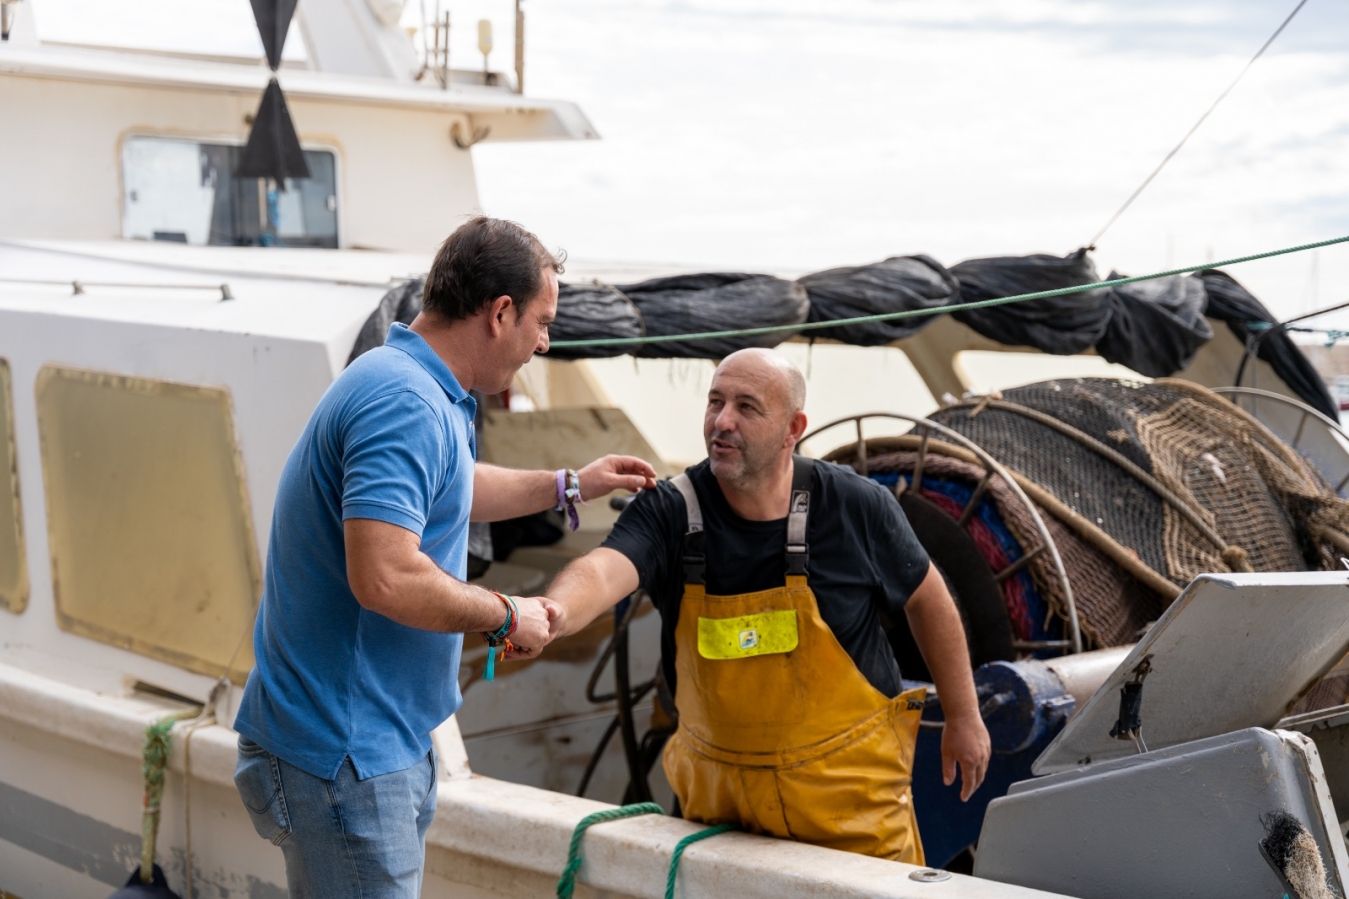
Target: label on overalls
{"x": 749, "y": 635}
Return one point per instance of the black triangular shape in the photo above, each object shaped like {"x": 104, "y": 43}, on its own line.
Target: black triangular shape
{"x": 157, "y": 888}
{"x": 273, "y": 149}
{"x": 273, "y": 20}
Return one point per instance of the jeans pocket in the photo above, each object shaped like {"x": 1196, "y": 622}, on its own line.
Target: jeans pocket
{"x": 258, "y": 779}
{"x": 435, "y": 778}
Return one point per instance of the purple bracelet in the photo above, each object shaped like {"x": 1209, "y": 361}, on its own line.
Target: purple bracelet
{"x": 568, "y": 495}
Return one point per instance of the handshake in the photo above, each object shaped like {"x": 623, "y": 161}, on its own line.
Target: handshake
{"x": 540, "y": 620}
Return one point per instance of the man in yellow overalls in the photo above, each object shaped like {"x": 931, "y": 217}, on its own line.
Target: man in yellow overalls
{"x": 774, "y": 576}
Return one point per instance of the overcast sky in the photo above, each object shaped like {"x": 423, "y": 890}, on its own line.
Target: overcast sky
{"x": 790, "y": 136}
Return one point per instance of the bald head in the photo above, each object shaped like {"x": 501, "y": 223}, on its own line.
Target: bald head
{"x": 754, "y": 418}
{"x": 779, "y": 376}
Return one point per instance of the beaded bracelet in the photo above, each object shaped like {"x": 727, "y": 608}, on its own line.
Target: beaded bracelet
{"x": 501, "y": 636}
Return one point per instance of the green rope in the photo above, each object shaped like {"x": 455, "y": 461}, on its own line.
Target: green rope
{"x": 938, "y": 310}
{"x": 684, "y": 844}
{"x": 158, "y": 745}
{"x": 567, "y": 884}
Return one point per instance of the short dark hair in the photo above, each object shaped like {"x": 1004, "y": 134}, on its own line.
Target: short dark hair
{"x": 483, "y": 259}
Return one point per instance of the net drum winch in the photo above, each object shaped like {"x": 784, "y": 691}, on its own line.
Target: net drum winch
{"x": 1068, "y": 516}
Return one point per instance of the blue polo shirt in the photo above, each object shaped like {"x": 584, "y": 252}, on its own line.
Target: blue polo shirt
{"x": 392, "y": 440}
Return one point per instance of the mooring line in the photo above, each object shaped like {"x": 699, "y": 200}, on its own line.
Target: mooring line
{"x": 1188, "y": 134}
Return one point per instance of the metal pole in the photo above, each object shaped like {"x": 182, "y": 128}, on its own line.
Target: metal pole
{"x": 519, "y": 48}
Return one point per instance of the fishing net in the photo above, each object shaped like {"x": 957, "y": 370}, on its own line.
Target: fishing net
{"x": 1114, "y": 606}
{"x": 1142, "y": 486}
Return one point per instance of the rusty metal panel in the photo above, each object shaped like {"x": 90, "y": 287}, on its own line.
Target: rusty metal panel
{"x": 151, "y": 535}
{"x": 13, "y": 564}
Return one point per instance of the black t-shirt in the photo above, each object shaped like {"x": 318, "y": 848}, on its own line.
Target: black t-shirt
{"x": 864, "y": 558}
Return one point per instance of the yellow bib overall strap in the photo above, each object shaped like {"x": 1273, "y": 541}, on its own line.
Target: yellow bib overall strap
{"x": 779, "y": 731}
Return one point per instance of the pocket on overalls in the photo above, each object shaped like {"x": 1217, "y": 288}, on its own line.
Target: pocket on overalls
{"x": 258, "y": 779}
{"x": 907, "y": 711}
{"x": 746, "y": 674}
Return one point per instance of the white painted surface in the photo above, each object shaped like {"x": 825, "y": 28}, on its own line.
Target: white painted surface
{"x": 403, "y": 184}
{"x": 1233, "y": 651}
{"x": 276, "y": 347}
{"x": 81, "y": 750}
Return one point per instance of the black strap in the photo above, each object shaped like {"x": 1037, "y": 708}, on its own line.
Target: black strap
{"x": 695, "y": 557}
{"x": 798, "y": 510}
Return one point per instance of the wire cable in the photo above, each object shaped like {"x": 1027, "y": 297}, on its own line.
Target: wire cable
{"x": 1188, "y": 134}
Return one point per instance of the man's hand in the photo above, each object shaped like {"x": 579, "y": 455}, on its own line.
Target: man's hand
{"x": 556, "y": 625}
{"x": 534, "y": 627}
{"x": 965, "y": 740}
{"x": 610, "y": 473}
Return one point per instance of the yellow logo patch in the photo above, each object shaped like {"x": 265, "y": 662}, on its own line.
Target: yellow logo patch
{"x": 765, "y": 633}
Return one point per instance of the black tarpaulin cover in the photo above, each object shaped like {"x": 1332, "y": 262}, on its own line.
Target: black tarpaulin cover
{"x": 1155, "y": 327}
{"x": 593, "y": 312}
{"x": 898, "y": 284}
{"x": 717, "y": 301}
{"x": 1228, "y": 301}
{"x": 1060, "y": 325}
{"x": 400, "y": 304}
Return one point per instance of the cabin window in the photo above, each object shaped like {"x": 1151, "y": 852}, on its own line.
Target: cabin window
{"x": 13, "y": 567}
{"x": 151, "y": 537}
{"x": 184, "y": 191}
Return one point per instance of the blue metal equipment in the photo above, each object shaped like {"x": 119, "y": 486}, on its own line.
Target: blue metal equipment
{"x": 1024, "y": 705}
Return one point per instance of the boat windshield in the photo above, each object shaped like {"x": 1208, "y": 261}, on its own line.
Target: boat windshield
{"x": 185, "y": 191}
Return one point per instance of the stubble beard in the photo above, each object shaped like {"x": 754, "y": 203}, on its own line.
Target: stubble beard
{"x": 752, "y": 469}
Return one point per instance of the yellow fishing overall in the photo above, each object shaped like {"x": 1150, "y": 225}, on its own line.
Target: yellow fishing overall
{"x": 779, "y": 731}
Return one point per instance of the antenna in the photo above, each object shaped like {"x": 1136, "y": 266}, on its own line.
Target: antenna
{"x": 519, "y": 48}
{"x": 439, "y": 56}
{"x": 8, "y": 12}
{"x": 485, "y": 47}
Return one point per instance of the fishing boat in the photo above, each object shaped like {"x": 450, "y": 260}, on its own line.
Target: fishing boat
{"x": 166, "y": 328}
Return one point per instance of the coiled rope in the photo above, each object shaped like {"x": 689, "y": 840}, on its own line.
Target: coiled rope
{"x": 566, "y": 886}
{"x": 938, "y": 310}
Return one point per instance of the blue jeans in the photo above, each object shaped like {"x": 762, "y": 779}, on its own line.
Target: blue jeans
{"x": 364, "y": 839}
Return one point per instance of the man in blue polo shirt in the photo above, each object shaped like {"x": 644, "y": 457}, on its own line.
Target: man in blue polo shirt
{"x": 365, "y": 601}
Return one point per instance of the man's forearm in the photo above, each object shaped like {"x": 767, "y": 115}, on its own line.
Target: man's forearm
{"x": 591, "y": 584}
{"x": 424, "y": 597}
{"x": 940, "y": 635}
{"x": 503, "y": 493}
